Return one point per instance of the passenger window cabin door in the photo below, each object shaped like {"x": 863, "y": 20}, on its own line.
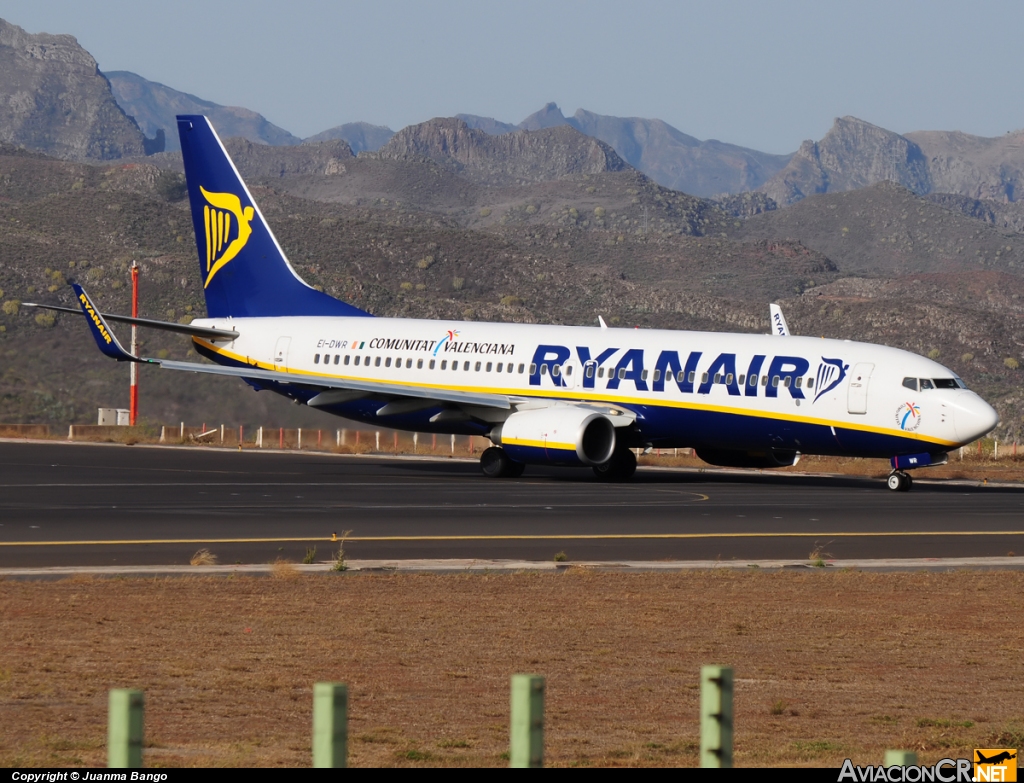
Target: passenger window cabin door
{"x": 281, "y": 352}
{"x": 857, "y": 397}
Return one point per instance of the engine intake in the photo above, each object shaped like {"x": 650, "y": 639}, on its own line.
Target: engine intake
{"x": 560, "y": 435}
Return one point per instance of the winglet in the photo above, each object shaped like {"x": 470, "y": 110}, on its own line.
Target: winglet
{"x": 601, "y": 321}
{"x": 779, "y": 327}
{"x": 100, "y": 330}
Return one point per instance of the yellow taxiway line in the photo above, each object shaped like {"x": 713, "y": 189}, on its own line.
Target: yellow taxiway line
{"x": 520, "y": 537}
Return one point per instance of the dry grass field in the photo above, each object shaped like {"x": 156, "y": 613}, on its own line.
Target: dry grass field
{"x": 828, "y": 664}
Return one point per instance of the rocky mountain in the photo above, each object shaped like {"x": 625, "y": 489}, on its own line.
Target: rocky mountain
{"x": 1002, "y": 214}
{"x": 360, "y": 136}
{"x": 678, "y": 161}
{"x": 264, "y": 162}
{"x": 487, "y": 124}
{"x": 54, "y": 99}
{"x": 509, "y": 159}
{"x": 886, "y": 230}
{"x": 974, "y": 166}
{"x": 855, "y": 154}
{"x": 668, "y": 156}
{"x": 154, "y": 106}
{"x": 878, "y": 264}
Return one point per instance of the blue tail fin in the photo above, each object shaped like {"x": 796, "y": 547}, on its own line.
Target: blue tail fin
{"x": 244, "y": 271}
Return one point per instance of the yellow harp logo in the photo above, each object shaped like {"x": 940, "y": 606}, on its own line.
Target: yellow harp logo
{"x": 223, "y": 216}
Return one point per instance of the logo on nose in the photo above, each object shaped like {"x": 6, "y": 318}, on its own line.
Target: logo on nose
{"x": 908, "y": 416}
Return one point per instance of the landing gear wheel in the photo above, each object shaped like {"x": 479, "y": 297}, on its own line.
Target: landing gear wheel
{"x": 620, "y": 467}
{"x": 899, "y": 481}
{"x": 495, "y": 463}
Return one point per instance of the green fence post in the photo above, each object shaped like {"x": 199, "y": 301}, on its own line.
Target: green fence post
{"x": 330, "y": 724}
{"x": 526, "y": 726}
{"x": 124, "y": 729}
{"x": 900, "y": 758}
{"x": 716, "y": 716}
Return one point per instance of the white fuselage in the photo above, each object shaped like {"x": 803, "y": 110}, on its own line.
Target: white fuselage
{"x": 685, "y": 388}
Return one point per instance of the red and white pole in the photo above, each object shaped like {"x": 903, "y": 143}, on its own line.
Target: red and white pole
{"x": 133, "y": 403}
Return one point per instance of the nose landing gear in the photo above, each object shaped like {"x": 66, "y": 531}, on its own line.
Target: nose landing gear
{"x": 899, "y": 481}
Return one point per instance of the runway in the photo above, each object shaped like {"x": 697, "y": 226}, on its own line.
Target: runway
{"x": 75, "y": 504}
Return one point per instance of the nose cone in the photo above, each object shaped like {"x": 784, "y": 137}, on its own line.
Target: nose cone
{"x": 972, "y": 417}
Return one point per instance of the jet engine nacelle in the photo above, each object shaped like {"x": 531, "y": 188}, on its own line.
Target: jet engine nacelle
{"x": 560, "y": 435}
{"x": 769, "y": 458}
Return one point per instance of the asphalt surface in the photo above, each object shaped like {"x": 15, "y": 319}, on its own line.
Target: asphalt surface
{"x": 75, "y": 504}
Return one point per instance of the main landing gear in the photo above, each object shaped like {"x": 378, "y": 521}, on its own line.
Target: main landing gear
{"x": 495, "y": 463}
{"x": 620, "y": 467}
{"x": 899, "y": 481}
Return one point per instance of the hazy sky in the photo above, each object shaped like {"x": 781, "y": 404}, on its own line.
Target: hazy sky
{"x": 762, "y": 74}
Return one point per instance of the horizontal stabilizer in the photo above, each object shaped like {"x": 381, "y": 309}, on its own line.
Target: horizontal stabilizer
{"x": 166, "y": 326}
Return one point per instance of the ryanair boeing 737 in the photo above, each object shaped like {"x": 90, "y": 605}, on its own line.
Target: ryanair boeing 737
{"x": 545, "y": 395}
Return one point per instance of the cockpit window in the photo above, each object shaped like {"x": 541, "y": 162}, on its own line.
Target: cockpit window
{"x": 910, "y": 383}
{"x": 945, "y": 383}
{"x": 926, "y": 384}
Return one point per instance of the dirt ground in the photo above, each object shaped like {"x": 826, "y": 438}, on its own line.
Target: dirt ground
{"x": 827, "y": 665}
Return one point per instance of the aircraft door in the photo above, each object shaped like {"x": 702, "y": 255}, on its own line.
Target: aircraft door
{"x": 281, "y": 351}
{"x": 857, "y": 397}
{"x": 571, "y": 374}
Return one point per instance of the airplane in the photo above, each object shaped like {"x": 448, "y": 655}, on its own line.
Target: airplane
{"x": 544, "y": 395}
{"x": 996, "y": 759}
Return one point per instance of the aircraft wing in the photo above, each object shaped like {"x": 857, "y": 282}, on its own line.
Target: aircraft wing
{"x": 370, "y": 388}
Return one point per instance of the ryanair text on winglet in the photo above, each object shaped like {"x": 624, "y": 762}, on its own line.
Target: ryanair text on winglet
{"x": 95, "y": 318}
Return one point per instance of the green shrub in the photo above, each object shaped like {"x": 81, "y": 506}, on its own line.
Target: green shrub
{"x": 46, "y": 319}
{"x": 599, "y": 212}
{"x": 967, "y": 357}
{"x": 511, "y": 301}
{"x": 406, "y": 286}
{"x": 171, "y": 186}
{"x": 485, "y": 212}
{"x": 457, "y": 283}
{"x": 1011, "y": 363}
{"x": 426, "y": 262}
{"x": 11, "y": 307}
{"x": 934, "y": 353}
